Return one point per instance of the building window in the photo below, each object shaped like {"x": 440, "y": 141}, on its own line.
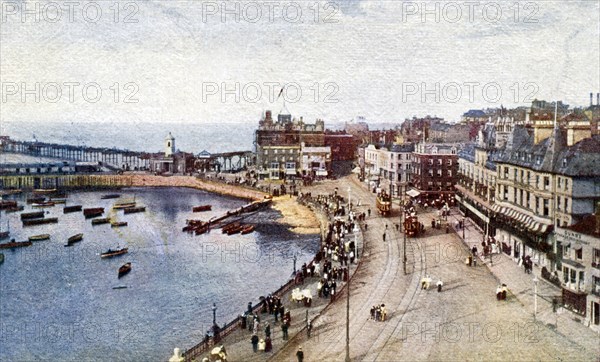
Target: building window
{"x": 546, "y": 182}
{"x": 431, "y": 161}
{"x": 449, "y": 173}
{"x": 596, "y": 257}
{"x": 546, "y": 207}
{"x": 274, "y": 165}
{"x": 449, "y": 162}
{"x": 275, "y": 151}
{"x": 579, "y": 254}
{"x": 290, "y": 165}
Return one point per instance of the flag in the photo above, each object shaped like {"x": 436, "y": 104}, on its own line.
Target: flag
{"x": 280, "y": 92}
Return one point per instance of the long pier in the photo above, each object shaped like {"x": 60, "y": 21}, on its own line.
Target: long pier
{"x": 122, "y": 159}
{"x": 110, "y": 157}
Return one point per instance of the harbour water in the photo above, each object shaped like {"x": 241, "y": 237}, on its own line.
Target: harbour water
{"x": 58, "y": 303}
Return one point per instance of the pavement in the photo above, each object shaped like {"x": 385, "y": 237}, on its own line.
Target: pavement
{"x": 463, "y": 322}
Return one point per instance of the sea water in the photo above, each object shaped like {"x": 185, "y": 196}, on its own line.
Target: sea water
{"x": 58, "y": 303}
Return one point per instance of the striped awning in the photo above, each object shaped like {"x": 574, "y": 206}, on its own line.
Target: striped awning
{"x": 496, "y": 208}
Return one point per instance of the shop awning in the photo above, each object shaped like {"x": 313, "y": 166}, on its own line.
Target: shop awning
{"x": 321, "y": 172}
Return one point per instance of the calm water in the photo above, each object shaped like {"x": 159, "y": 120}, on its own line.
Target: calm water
{"x": 146, "y": 137}
{"x": 58, "y": 303}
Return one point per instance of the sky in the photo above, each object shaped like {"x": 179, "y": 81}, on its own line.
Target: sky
{"x": 227, "y": 61}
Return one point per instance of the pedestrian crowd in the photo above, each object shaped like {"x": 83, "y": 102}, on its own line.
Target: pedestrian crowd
{"x": 378, "y": 312}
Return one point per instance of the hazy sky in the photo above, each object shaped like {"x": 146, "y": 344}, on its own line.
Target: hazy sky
{"x": 170, "y": 61}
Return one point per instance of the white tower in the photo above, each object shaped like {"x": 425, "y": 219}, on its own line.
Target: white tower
{"x": 169, "y": 145}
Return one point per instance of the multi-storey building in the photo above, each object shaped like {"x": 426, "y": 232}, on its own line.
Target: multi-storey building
{"x": 389, "y": 164}
{"x": 434, "y": 171}
{"x": 476, "y": 186}
{"x": 547, "y": 176}
{"x": 279, "y": 146}
{"x": 579, "y": 269}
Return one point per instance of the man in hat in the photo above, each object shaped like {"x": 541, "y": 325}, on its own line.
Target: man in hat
{"x": 300, "y": 355}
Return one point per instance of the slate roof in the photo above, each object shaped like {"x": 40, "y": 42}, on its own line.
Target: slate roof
{"x": 474, "y": 113}
{"x": 467, "y": 152}
{"x": 552, "y": 154}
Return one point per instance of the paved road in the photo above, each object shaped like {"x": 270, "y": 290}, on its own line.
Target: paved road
{"x": 463, "y": 322}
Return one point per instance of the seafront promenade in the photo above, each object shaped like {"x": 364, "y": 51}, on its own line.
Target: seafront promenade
{"x": 464, "y": 321}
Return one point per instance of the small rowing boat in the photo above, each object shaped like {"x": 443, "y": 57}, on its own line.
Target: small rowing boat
{"x": 93, "y": 212}
{"x": 43, "y": 204}
{"x": 1, "y": 258}
{"x": 15, "y": 244}
{"x": 32, "y": 215}
{"x": 133, "y": 210}
{"x": 124, "y": 269}
{"x": 247, "y": 229}
{"x": 117, "y": 224}
{"x": 58, "y": 200}
{"x": 201, "y": 208}
{"x": 110, "y": 196}
{"x": 49, "y": 220}
{"x": 39, "y": 237}
{"x": 44, "y": 191}
{"x": 123, "y": 204}
{"x": 100, "y": 221}
{"x": 75, "y": 238}
{"x": 15, "y": 208}
{"x": 72, "y": 208}
{"x": 110, "y": 253}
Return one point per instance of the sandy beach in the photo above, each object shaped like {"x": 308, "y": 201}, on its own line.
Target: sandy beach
{"x": 299, "y": 218}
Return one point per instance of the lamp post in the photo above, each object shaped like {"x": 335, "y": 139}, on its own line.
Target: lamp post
{"x": 463, "y": 228}
{"x": 348, "y": 321}
{"x": 295, "y": 259}
{"x": 535, "y": 282}
{"x": 348, "y": 298}
{"x": 214, "y": 310}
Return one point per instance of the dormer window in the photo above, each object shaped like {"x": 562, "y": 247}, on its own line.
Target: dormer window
{"x": 564, "y": 162}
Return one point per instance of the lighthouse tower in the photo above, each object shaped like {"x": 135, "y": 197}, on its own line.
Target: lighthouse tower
{"x": 169, "y": 145}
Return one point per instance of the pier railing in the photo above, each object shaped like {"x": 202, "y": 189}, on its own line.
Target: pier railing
{"x": 205, "y": 345}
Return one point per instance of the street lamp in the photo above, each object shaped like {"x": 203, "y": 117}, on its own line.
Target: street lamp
{"x": 535, "y": 282}
{"x": 295, "y": 258}
{"x": 348, "y": 321}
{"x": 348, "y": 199}
{"x": 463, "y": 228}
{"x": 214, "y": 310}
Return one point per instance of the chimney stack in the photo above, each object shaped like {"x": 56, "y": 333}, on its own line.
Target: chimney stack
{"x": 591, "y": 99}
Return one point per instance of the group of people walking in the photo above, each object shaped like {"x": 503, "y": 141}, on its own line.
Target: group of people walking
{"x": 378, "y": 312}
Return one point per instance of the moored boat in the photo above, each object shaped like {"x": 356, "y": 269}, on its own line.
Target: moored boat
{"x": 15, "y": 244}
{"x": 59, "y": 200}
{"x": 232, "y": 225}
{"x": 117, "y": 224}
{"x": 123, "y": 204}
{"x": 1, "y": 258}
{"x": 7, "y": 204}
{"x": 72, "y": 208}
{"x": 124, "y": 269}
{"x": 199, "y": 230}
{"x": 43, "y": 204}
{"x": 100, "y": 221}
{"x": 39, "y": 237}
{"x": 93, "y": 212}
{"x": 50, "y": 220}
{"x": 75, "y": 238}
{"x": 133, "y": 210}
{"x": 36, "y": 199}
{"x": 44, "y": 191}
{"x": 201, "y": 208}
{"x": 15, "y": 208}
{"x": 110, "y": 196}
{"x": 247, "y": 229}
{"x": 32, "y": 215}
{"x": 4, "y": 234}
{"x": 234, "y": 230}
{"x": 110, "y": 253}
